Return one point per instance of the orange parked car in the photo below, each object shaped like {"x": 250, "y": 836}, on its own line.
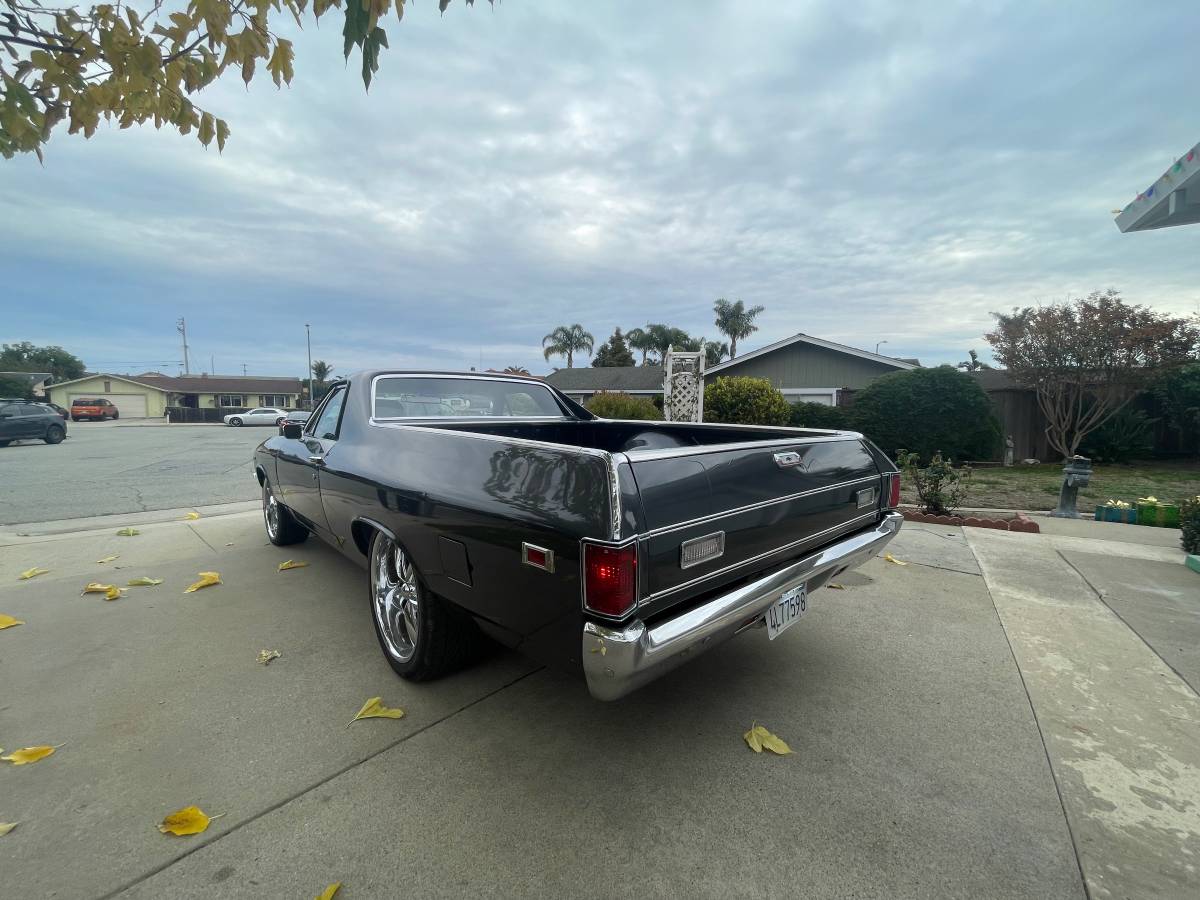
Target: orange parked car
{"x": 97, "y": 408}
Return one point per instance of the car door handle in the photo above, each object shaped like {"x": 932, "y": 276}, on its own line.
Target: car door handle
{"x": 318, "y": 460}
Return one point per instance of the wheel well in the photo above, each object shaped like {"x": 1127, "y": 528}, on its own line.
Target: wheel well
{"x": 260, "y": 475}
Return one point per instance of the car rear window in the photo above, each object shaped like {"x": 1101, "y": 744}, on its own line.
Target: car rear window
{"x": 81, "y": 401}
{"x": 406, "y": 397}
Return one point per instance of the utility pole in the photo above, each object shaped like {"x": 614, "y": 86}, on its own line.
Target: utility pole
{"x": 181, "y": 327}
{"x": 308, "y": 338}
{"x": 243, "y": 370}
{"x": 212, "y": 364}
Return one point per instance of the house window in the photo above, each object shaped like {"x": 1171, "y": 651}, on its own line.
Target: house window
{"x": 231, "y": 400}
{"x": 276, "y": 400}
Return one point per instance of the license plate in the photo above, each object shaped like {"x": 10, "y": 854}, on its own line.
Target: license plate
{"x": 785, "y": 611}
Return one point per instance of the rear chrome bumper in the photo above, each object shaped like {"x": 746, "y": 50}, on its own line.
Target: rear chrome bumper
{"x": 617, "y": 661}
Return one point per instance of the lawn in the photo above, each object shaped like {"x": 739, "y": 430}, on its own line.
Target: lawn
{"x": 1036, "y": 487}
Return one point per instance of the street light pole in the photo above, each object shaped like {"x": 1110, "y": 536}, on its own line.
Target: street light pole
{"x": 308, "y": 338}
{"x": 877, "y": 343}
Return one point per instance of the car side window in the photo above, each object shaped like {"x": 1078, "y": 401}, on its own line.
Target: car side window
{"x": 327, "y": 424}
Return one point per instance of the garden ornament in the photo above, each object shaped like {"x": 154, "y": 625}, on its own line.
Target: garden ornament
{"x": 1077, "y": 473}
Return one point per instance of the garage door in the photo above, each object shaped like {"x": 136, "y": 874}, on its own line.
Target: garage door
{"x": 130, "y": 406}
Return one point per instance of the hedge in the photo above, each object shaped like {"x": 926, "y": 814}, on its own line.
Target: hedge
{"x": 618, "y": 405}
{"x": 745, "y": 401}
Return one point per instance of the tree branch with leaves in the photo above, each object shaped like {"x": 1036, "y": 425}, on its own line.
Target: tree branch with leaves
{"x": 134, "y": 64}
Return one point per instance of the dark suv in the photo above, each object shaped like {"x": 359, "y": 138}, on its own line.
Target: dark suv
{"x": 22, "y": 420}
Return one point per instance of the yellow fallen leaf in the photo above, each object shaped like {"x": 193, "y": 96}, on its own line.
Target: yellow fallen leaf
{"x": 328, "y": 893}
{"x": 6, "y": 827}
{"x": 32, "y": 573}
{"x": 110, "y": 591}
{"x": 292, "y": 564}
{"x": 374, "y": 709}
{"x": 893, "y": 559}
{"x": 28, "y": 755}
{"x": 109, "y": 559}
{"x": 189, "y": 820}
{"x": 207, "y": 579}
{"x": 835, "y": 586}
{"x": 192, "y": 516}
{"x": 144, "y": 581}
{"x": 758, "y": 739}
{"x": 265, "y": 656}
{"x": 9, "y": 621}
{"x": 128, "y": 532}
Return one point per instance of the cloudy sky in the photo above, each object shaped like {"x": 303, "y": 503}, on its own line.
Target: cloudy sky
{"x": 866, "y": 171}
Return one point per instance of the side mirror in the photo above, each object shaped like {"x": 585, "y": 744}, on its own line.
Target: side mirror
{"x": 293, "y": 430}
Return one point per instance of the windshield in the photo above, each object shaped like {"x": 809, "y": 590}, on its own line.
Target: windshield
{"x": 405, "y": 397}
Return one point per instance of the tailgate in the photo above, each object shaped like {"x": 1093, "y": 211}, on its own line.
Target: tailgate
{"x": 759, "y": 505}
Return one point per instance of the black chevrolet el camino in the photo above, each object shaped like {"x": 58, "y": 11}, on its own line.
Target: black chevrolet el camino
{"x": 493, "y": 504}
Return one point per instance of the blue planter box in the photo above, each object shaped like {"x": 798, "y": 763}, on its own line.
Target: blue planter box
{"x": 1113, "y": 514}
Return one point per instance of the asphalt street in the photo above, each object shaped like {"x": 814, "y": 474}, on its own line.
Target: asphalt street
{"x": 107, "y": 468}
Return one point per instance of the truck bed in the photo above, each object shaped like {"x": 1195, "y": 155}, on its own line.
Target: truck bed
{"x": 772, "y": 494}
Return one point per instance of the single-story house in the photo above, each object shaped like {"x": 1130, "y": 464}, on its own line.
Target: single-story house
{"x": 803, "y": 367}
{"x": 579, "y": 384}
{"x": 150, "y": 393}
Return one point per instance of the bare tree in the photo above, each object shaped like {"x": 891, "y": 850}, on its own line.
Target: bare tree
{"x": 1087, "y": 358}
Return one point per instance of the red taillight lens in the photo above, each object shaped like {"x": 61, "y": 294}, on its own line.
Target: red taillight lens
{"x": 894, "y": 491}
{"x": 610, "y": 578}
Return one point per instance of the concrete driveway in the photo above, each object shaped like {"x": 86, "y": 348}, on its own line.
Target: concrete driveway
{"x": 920, "y": 768}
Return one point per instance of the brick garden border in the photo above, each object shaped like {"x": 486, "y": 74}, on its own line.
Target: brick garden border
{"x": 1019, "y": 522}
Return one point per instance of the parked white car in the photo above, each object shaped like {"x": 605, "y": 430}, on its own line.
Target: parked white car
{"x": 263, "y": 415}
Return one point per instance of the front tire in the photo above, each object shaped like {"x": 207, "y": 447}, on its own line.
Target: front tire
{"x": 235, "y": 422}
{"x": 282, "y": 527}
{"x": 422, "y": 636}
{"x": 5, "y": 443}
{"x": 55, "y": 434}
{"x": 116, "y": 416}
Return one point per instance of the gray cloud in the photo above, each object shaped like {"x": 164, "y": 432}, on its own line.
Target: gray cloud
{"x": 866, "y": 172}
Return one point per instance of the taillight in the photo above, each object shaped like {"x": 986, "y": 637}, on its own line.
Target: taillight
{"x": 610, "y": 579}
{"x": 894, "y": 491}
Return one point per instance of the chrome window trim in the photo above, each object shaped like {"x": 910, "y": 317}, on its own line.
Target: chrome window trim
{"x": 471, "y": 376}
{"x": 666, "y": 592}
{"x": 637, "y": 581}
{"x": 762, "y": 504}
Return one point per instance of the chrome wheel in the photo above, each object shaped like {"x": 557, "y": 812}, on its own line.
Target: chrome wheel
{"x": 396, "y": 598}
{"x": 270, "y": 513}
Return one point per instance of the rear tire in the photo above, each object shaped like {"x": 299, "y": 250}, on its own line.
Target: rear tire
{"x": 282, "y": 527}
{"x": 55, "y": 434}
{"x": 116, "y": 416}
{"x": 5, "y": 443}
{"x": 421, "y": 635}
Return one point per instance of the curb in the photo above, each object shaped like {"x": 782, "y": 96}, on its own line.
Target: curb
{"x": 1020, "y": 522}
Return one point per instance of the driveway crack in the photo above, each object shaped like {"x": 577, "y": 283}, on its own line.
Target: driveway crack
{"x": 312, "y": 787}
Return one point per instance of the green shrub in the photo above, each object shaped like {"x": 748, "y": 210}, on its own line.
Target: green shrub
{"x": 928, "y": 411}
{"x": 745, "y": 401}
{"x": 1127, "y": 436}
{"x": 818, "y": 415}
{"x": 618, "y": 405}
{"x": 940, "y": 487}
{"x": 1189, "y": 521}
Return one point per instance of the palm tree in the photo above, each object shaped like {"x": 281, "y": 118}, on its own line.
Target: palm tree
{"x": 565, "y": 340}
{"x": 515, "y": 370}
{"x": 735, "y": 321}
{"x": 639, "y": 339}
{"x": 663, "y": 337}
{"x": 973, "y": 364}
{"x": 321, "y": 369}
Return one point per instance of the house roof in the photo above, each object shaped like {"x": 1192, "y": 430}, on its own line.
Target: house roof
{"x": 814, "y": 342}
{"x": 635, "y": 379}
{"x": 198, "y": 384}
{"x": 1173, "y": 198}
{"x": 223, "y": 384}
{"x": 995, "y": 380}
